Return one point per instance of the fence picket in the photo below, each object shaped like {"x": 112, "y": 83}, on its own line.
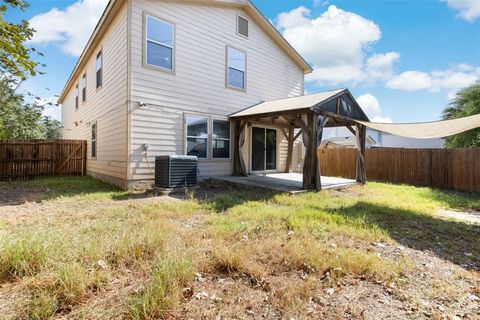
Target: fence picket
{"x": 25, "y": 159}
{"x": 456, "y": 169}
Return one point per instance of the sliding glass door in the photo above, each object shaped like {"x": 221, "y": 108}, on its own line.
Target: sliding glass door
{"x": 264, "y": 149}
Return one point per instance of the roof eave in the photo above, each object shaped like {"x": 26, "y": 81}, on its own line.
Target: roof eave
{"x": 93, "y": 37}
{"x": 245, "y": 4}
{"x": 307, "y": 68}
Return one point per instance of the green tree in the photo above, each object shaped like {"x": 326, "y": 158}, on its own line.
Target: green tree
{"x": 18, "y": 119}
{"x": 466, "y": 103}
{"x": 15, "y": 58}
{"x": 51, "y": 128}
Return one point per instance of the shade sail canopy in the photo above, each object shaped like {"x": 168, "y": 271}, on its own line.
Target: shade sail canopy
{"x": 427, "y": 130}
{"x": 338, "y": 101}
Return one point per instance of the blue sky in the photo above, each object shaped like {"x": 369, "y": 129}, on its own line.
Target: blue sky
{"x": 402, "y": 60}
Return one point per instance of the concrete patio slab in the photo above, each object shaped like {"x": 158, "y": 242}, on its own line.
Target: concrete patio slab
{"x": 285, "y": 182}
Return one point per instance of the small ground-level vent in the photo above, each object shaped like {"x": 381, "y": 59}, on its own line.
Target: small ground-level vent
{"x": 175, "y": 171}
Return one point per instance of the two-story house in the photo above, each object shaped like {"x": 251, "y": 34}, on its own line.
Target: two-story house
{"x": 161, "y": 77}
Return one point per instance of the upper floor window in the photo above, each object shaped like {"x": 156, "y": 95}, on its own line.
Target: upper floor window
{"x": 76, "y": 96}
{"x": 236, "y": 68}
{"x": 159, "y": 43}
{"x": 242, "y": 26}
{"x": 84, "y": 87}
{"x": 99, "y": 69}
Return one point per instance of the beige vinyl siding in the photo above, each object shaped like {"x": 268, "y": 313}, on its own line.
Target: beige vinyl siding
{"x": 197, "y": 86}
{"x": 106, "y": 105}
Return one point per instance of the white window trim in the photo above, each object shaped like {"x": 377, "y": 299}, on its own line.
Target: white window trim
{"x": 77, "y": 96}
{"x": 277, "y": 152}
{"x": 96, "y": 141}
{"x": 238, "y": 25}
{"x": 227, "y": 80}
{"x": 84, "y": 82}
{"x": 210, "y": 136}
{"x": 145, "y": 42}
{"x": 100, "y": 52}
{"x": 187, "y": 136}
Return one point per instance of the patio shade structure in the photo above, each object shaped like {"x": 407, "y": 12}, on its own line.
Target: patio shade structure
{"x": 427, "y": 130}
{"x": 306, "y": 116}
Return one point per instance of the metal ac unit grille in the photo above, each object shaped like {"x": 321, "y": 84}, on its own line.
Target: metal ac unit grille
{"x": 175, "y": 171}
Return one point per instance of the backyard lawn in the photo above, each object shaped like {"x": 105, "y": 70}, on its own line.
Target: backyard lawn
{"x": 78, "y": 248}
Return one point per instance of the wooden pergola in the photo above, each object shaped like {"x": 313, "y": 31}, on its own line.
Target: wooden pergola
{"x": 305, "y": 117}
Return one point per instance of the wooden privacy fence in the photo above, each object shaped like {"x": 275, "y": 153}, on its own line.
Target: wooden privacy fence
{"x": 456, "y": 169}
{"x": 25, "y": 159}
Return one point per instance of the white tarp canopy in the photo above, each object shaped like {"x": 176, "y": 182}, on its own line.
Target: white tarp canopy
{"x": 427, "y": 130}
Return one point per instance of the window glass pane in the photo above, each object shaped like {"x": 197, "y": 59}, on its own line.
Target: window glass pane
{"x": 197, "y": 147}
{"x": 84, "y": 81}
{"x": 94, "y": 131}
{"x": 243, "y": 26}
{"x": 197, "y": 127}
{"x": 159, "y": 55}
{"x": 221, "y": 148}
{"x": 221, "y": 129}
{"x": 160, "y": 31}
{"x": 236, "y": 59}
{"x": 99, "y": 61}
{"x": 99, "y": 78}
{"x": 236, "y": 78}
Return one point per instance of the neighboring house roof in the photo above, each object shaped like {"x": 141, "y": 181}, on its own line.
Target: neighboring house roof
{"x": 114, "y": 5}
{"x": 346, "y": 142}
{"x": 322, "y": 101}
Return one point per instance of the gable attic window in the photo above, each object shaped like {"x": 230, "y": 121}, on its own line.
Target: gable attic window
{"x": 159, "y": 44}
{"x": 236, "y": 68}
{"x": 84, "y": 87}
{"x": 242, "y": 26}
{"x": 99, "y": 69}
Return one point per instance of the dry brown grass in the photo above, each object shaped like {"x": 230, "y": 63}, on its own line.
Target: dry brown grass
{"x": 102, "y": 255}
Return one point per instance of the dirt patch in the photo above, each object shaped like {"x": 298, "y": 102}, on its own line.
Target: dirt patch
{"x": 434, "y": 289}
{"x": 468, "y": 217}
{"x": 14, "y": 196}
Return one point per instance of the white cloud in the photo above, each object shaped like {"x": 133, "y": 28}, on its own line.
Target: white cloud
{"x": 69, "y": 28}
{"x": 449, "y": 80}
{"x": 371, "y": 106}
{"x": 468, "y": 9}
{"x": 336, "y": 43}
{"x": 380, "y": 66}
{"x": 410, "y": 81}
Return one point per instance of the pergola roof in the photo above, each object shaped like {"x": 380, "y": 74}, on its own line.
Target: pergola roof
{"x": 338, "y": 103}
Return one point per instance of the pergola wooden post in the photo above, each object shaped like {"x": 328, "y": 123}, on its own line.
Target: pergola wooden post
{"x": 361, "y": 141}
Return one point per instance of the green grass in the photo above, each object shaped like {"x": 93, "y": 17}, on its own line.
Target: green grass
{"x": 90, "y": 233}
